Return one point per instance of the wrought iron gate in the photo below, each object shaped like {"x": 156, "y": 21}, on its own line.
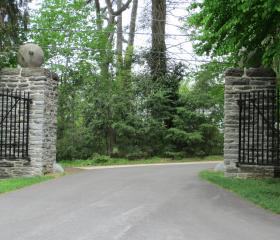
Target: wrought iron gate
{"x": 259, "y": 141}
{"x": 14, "y": 124}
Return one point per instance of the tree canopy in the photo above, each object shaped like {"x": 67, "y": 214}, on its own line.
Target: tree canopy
{"x": 240, "y": 30}
{"x": 13, "y": 22}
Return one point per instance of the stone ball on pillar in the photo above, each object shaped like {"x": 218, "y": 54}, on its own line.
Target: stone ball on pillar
{"x": 30, "y": 55}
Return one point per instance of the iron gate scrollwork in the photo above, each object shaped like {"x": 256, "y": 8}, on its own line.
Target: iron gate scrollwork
{"x": 14, "y": 124}
{"x": 259, "y": 141}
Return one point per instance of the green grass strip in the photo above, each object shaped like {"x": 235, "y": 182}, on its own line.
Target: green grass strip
{"x": 263, "y": 192}
{"x": 7, "y": 185}
{"x": 122, "y": 161}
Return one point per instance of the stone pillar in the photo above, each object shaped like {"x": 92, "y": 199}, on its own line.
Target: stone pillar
{"x": 237, "y": 81}
{"x": 42, "y": 86}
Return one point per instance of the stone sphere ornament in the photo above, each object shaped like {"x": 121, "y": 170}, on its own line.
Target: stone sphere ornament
{"x": 30, "y": 55}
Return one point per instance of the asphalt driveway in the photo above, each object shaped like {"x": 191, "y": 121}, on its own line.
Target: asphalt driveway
{"x": 137, "y": 203}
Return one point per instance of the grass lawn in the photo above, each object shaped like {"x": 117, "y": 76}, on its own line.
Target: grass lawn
{"x": 11, "y": 184}
{"x": 122, "y": 161}
{"x": 263, "y": 192}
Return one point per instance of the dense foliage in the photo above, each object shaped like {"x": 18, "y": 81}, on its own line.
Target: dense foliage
{"x": 242, "y": 30}
{"x": 13, "y": 22}
{"x": 108, "y": 108}
{"x": 108, "y": 111}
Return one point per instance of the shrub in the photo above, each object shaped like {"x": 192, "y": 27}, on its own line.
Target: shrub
{"x": 137, "y": 155}
{"x": 175, "y": 155}
{"x": 100, "y": 158}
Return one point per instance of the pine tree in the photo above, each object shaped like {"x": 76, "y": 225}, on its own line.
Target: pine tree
{"x": 13, "y": 22}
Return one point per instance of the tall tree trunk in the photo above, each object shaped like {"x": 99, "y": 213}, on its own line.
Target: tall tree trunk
{"x": 158, "y": 64}
{"x": 98, "y": 15}
{"x": 158, "y": 52}
{"x": 119, "y": 36}
{"x": 104, "y": 65}
{"x": 132, "y": 28}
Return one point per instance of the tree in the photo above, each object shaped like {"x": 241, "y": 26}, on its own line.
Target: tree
{"x": 69, "y": 39}
{"x": 130, "y": 42}
{"x": 158, "y": 62}
{"x": 13, "y": 22}
{"x": 246, "y": 30}
{"x": 168, "y": 86}
{"x": 198, "y": 120}
{"x": 109, "y": 15}
{"x": 106, "y": 76}
{"x": 81, "y": 47}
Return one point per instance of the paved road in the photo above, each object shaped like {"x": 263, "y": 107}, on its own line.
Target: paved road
{"x": 141, "y": 203}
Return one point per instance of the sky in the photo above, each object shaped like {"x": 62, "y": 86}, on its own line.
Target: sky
{"x": 179, "y": 48}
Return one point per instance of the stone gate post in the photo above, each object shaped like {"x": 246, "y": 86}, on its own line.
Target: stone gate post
{"x": 238, "y": 81}
{"x": 42, "y": 86}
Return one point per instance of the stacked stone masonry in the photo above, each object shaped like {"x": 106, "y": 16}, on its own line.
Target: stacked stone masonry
{"x": 42, "y": 86}
{"x": 236, "y": 82}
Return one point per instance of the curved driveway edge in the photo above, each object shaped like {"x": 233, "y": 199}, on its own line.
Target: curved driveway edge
{"x": 147, "y": 165}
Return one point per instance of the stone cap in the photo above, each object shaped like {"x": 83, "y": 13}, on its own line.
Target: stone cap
{"x": 260, "y": 72}
{"x": 250, "y": 72}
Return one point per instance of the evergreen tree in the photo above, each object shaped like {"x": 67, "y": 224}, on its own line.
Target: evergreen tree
{"x": 13, "y": 23}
